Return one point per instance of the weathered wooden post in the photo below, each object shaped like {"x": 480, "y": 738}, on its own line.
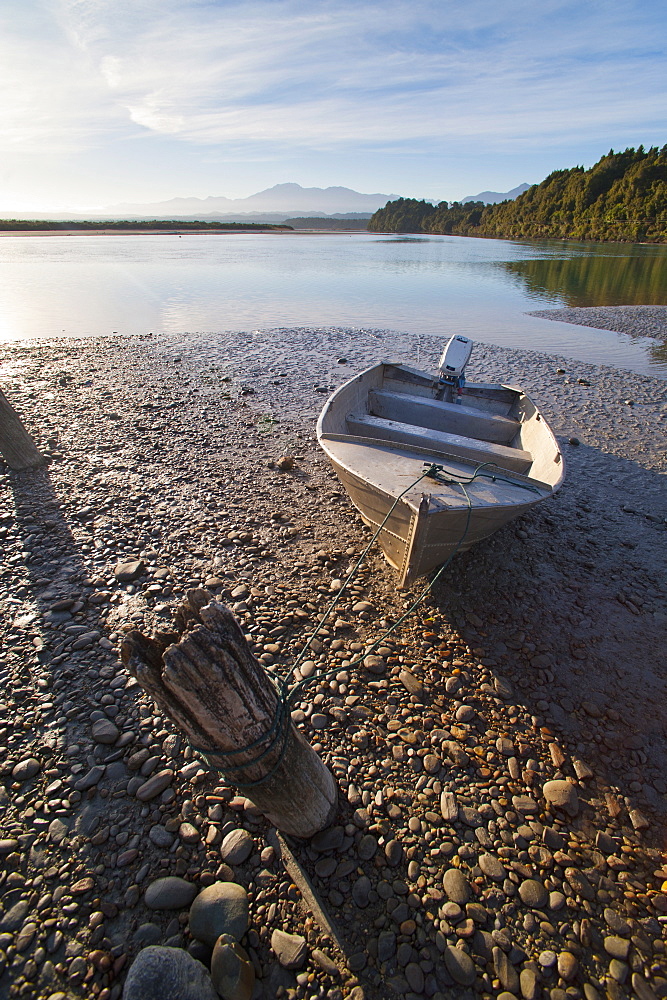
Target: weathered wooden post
{"x": 205, "y": 678}
{"x": 17, "y": 447}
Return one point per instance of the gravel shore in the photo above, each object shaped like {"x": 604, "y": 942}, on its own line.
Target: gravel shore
{"x": 636, "y": 321}
{"x": 502, "y": 758}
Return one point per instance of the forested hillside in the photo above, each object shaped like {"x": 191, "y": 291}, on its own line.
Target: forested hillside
{"x": 623, "y": 197}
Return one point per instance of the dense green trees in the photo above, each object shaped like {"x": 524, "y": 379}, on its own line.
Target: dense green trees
{"x": 405, "y": 215}
{"x": 622, "y": 197}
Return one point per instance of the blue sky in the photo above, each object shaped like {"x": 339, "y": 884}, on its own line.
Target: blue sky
{"x": 105, "y": 101}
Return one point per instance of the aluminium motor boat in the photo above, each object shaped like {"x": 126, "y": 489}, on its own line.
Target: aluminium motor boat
{"x": 434, "y": 463}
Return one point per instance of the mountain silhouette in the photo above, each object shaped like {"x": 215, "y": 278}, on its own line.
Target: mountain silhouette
{"x": 493, "y": 197}
{"x": 291, "y": 199}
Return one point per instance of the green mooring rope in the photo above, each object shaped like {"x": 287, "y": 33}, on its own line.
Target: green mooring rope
{"x": 287, "y": 693}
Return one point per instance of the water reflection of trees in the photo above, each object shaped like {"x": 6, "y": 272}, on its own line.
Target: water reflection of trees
{"x": 658, "y": 353}
{"x": 595, "y": 280}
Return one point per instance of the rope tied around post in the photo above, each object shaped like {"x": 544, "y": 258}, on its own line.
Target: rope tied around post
{"x": 276, "y": 734}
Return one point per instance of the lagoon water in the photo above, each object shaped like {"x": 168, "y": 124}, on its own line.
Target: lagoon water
{"x": 84, "y": 285}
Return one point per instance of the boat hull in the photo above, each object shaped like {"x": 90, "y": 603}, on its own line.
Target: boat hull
{"x": 416, "y": 545}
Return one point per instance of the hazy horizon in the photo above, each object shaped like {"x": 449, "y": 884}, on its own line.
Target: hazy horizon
{"x": 107, "y": 103}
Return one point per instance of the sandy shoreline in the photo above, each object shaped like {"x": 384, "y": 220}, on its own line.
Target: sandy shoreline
{"x": 536, "y": 658}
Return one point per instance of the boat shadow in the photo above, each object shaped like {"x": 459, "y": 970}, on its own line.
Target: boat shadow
{"x": 567, "y": 603}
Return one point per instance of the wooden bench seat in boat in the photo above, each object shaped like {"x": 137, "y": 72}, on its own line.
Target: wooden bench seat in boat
{"x": 440, "y": 416}
{"x": 471, "y": 449}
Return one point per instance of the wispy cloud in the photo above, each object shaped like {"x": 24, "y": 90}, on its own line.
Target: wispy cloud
{"x": 52, "y": 98}
{"x": 328, "y": 74}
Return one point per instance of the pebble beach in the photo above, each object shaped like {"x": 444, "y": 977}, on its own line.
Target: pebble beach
{"x": 501, "y": 757}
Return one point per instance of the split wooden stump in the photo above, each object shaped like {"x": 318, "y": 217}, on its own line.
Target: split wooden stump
{"x": 16, "y": 446}
{"x": 204, "y": 677}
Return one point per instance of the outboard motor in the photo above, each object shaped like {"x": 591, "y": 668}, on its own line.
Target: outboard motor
{"x": 452, "y": 364}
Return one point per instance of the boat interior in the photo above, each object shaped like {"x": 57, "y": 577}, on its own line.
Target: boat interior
{"x": 410, "y": 410}
{"x": 453, "y": 429}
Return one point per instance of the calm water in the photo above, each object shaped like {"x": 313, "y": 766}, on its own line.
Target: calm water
{"x": 91, "y": 285}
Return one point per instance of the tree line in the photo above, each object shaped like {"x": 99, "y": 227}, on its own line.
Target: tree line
{"x": 135, "y": 225}
{"x": 622, "y": 197}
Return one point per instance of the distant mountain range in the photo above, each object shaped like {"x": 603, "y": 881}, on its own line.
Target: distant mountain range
{"x": 494, "y": 197}
{"x": 273, "y": 205}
